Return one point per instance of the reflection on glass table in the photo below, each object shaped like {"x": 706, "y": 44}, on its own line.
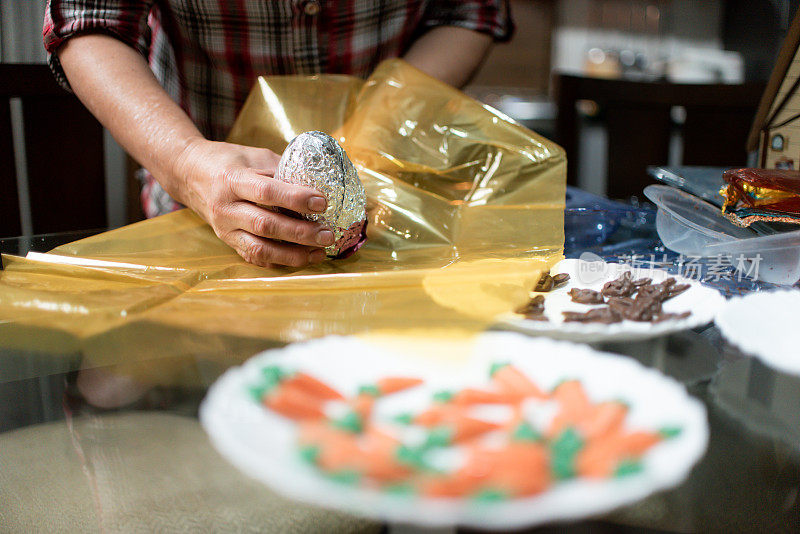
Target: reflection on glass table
{"x": 105, "y": 437}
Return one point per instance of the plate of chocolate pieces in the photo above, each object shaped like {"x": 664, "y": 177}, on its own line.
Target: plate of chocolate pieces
{"x": 590, "y": 301}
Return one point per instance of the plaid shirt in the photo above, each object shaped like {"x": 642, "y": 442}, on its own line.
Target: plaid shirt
{"x": 207, "y": 53}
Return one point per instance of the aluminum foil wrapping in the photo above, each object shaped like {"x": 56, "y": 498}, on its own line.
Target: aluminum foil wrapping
{"x": 315, "y": 159}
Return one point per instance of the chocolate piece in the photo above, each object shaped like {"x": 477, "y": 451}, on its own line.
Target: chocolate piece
{"x": 560, "y": 280}
{"x": 620, "y": 305}
{"x": 598, "y": 315}
{"x": 621, "y": 287}
{"x": 643, "y": 309}
{"x": 664, "y": 291}
{"x": 533, "y": 307}
{"x": 669, "y": 316}
{"x": 678, "y": 289}
{"x": 545, "y": 283}
{"x": 645, "y": 306}
{"x": 654, "y": 291}
{"x": 537, "y": 317}
{"x": 586, "y": 296}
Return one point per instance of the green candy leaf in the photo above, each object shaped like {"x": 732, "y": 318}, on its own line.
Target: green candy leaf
{"x": 627, "y": 468}
{"x": 273, "y": 375}
{"x": 345, "y": 477}
{"x": 257, "y": 392}
{"x": 443, "y": 396}
{"x": 669, "y": 432}
{"x": 563, "y": 468}
{"x": 563, "y": 452}
{"x": 371, "y": 390}
{"x": 399, "y": 489}
{"x": 439, "y": 437}
{"x": 351, "y": 422}
{"x": 404, "y": 418}
{"x": 496, "y": 366}
{"x": 569, "y": 441}
{"x": 490, "y": 495}
{"x": 309, "y": 454}
{"x": 411, "y": 456}
{"x": 526, "y": 432}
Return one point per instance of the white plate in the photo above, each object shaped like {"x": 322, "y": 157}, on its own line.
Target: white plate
{"x": 703, "y": 302}
{"x": 764, "y": 324}
{"x": 766, "y": 407}
{"x": 262, "y": 444}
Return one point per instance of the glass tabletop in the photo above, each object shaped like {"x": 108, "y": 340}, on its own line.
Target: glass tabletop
{"x": 21, "y": 245}
{"x": 86, "y": 446}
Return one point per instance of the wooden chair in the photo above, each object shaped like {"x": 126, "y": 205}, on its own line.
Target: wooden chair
{"x": 64, "y": 155}
{"x": 637, "y": 118}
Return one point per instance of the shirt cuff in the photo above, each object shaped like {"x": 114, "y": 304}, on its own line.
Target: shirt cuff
{"x": 62, "y": 23}
{"x": 491, "y": 17}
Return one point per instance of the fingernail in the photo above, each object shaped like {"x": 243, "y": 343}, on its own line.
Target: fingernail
{"x": 325, "y": 237}
{"x": 316, "y": 256}
{"x": 317, "y": 204}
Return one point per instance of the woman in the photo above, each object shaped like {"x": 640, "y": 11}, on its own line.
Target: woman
{"x": 166, "y": 77}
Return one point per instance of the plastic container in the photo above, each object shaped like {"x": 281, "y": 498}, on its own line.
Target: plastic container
{"x": 590, "y": 220}
{"x": 693, "y": 227}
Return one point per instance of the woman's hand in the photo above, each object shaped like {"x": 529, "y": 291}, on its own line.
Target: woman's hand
{"x": 228, "y": 185}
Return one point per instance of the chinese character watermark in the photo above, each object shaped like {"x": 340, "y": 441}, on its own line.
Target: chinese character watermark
{"x": 700, "y": 269}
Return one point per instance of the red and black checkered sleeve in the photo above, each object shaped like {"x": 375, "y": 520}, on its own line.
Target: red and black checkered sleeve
{"x": 125, "y": 20}
{"x": 492, "y": 17}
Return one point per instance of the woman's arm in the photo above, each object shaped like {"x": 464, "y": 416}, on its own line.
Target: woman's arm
{"x": 221, "y": 182}
{"x": 450, "y": 54}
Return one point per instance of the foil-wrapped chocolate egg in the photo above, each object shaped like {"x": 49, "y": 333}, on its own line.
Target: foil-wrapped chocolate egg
{"x": 315, "y": 159}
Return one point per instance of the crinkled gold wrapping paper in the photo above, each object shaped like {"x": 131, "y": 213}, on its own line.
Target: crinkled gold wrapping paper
{"x": 465, "y": 209}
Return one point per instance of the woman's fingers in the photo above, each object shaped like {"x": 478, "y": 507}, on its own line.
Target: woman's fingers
{"x": 272, "y": 225}
{"x": 266, "y": 252}
{"x": 227, "y": 184}
{"x": 259, "y": 188}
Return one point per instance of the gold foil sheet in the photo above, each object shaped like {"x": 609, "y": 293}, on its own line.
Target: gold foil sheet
{"x": 464, "y": 208}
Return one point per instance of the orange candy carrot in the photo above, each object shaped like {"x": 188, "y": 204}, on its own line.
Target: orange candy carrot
{"x": 638, "y": 443}
{"x": 512, "y": 381}
{"x": 606, "y": 418}
{"x": 313, "y": 387}
{"x": 378, "y": 458}
{"x": 452, "y": 486}
{"x": 522, "y": 469}
{"x": 602, "y": 456}
{"x": 467, "y": 427}
{"x": 575, "y": 407}
{"x": 294, "y": 403}
{"x": 478, "y": 396}
{"x": 436, "y": 414}
{"x": 573, "y": 400}
{"x": 362, "y": 405}
{"x": 598, "y": 459}
{"x": 312, "y": 432}
{"x": 339, "y": 452}
{"x": 393, "y": 384}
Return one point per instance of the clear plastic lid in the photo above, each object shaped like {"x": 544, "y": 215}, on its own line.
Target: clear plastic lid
{"x": 693, "y": 227}
{"x": 687, "y": 224}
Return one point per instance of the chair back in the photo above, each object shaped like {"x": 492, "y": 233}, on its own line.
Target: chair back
{"x": 62, "y": 145}
{"x": 637, "y": 118}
